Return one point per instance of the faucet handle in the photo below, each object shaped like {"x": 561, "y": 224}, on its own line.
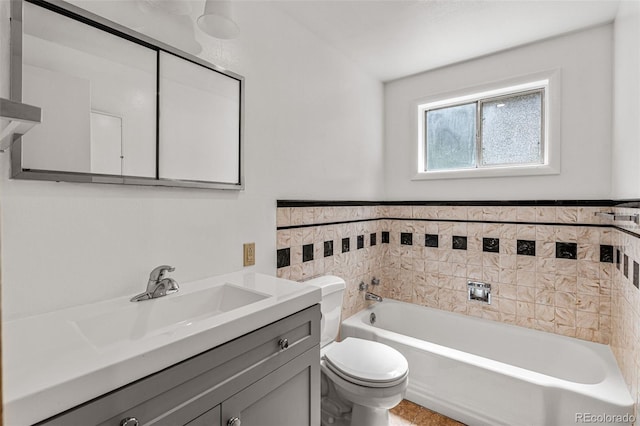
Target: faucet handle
{"x": 375, "y": 281}
{"x": 158, "y": 273}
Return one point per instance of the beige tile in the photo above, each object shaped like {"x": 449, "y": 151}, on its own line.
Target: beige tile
{"x": 566, "y": 267}
{"x": 508, "y": 291}
{"x": 526, "y": 263}
{"x": 284, "y": 273}
{"x": 526, "y": 278}
{"x": 283, "y": 216}
{"x": 526, "y": 232}
{"x": 588, "y": 303}
{"x": 586, "y": 320}
{"x": 545, "y": 281}
{"x": 545, "y": 249}
{"x": 589, "y": 252}
{"x": 283, "y": 239}
{"x": 491, "y": 274}
{"x": 508, "y": 214}
{"x": 526, "y": 294}
{"x": 525, "y": 310}
{"x": 567, "y": 214}
{"x": 544, "y": 297}
{"x": 565, "y": 330}
{"x": 546, "y": 326}
{"x": 424, "y": 212}
{"x": 546, "y": 214}
{"x": 565, "y": 317}
{"x": 566, "y": 284}
{"x": 587, "y": 214}
{"x": 490, "y": 213}
{"x": 586, "y": 234}
{"x": 507, "y": 306}
{"x": 567, "y": 234}
{"x": 545, "y": 313}
{"x": 588, "y": 269}
{"x": 546, "y": 265}
{"x": 588, "y": 286}
{"x": 565, "y": 300}
{"x": 525, "y": 214}
{"x": 508, "y": 276}
{"x": 474, "y": 213}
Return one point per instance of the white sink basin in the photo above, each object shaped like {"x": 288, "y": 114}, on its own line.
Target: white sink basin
{"x": 55, "y": 361}
{"x": 164, "y": 315}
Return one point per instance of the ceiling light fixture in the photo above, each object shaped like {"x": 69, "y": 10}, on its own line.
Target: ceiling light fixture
{"x": 217, "y": 19}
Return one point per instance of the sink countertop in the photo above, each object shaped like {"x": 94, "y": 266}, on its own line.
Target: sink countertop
{"x": 50, "y": 365}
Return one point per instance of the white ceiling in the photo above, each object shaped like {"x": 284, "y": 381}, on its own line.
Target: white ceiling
{"x": 394, "y": 38}
{"x": 388, "y": 39}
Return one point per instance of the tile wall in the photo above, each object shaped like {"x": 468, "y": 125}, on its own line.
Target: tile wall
{"x": 625, "y": 301}
{"x": 343, "y": 241}
{"x": 559, "y": 269}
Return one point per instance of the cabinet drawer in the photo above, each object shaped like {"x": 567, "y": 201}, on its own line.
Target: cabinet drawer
{"x": 182, "y": 392}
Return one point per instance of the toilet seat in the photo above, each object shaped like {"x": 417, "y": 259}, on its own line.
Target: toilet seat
{"x": 367, "y": 363}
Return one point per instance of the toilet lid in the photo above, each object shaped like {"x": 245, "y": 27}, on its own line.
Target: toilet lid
{"x": 367, "y": 361}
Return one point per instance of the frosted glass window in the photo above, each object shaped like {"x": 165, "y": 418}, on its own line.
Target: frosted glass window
{"x": 512, "y": 130}
{"x": 451, "y": 136}
{"x": 484, "y": 131}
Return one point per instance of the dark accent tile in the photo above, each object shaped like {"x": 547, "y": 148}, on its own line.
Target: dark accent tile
{"x": 385, "y": 237}
{"x": 618, "y": 258}
{"x": 431, "y": 240}
{"x": 360, "y": 241}
{"x": 491, "y": 245}
{"x": 459, "y": 243}
{"x": 606, "y": 253}
{"x": 283, "y": 257}
{"x": 636, "y": 274}
{"x": 406, "y": 238}
{"x": 328, "y": 248}
{"x": 372, "y": 239}
{"x": 345, "y": 245}
{"x": 307, "y": 252}
{"x": 566, "y": 250}
{"x": 526, "y": 247}
{"x": 625, "y": 268}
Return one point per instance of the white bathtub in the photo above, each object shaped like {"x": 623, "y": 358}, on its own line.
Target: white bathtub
{"x": 483, "y": 372}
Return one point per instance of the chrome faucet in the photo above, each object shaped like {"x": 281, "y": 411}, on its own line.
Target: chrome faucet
{"x": 372, "y": 296}
{"x": 158, "y": 285}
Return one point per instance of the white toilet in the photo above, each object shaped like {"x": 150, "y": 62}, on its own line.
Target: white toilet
{"x": 361, "y": 379}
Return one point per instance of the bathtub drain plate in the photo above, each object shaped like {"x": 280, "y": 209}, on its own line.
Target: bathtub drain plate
{"x": 372, "y": 318}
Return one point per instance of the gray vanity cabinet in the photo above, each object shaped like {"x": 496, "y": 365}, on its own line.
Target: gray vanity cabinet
{"x": 270, "y": 376}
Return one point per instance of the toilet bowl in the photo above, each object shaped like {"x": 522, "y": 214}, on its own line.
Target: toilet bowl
{"x": 361, "y": 379}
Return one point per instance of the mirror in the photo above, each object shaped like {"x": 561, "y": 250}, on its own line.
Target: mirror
{"x": 119, "y": 107}
{"x": 73, "y": 70}
{"x": 198, "y": 105}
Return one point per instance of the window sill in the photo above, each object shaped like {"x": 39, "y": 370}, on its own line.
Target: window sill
{"x": 488, "y": 172}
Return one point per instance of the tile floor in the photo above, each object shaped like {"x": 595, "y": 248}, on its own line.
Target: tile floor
{"x": 409, "y": 414}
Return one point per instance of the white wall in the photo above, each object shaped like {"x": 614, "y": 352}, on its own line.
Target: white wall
{"x": 626, "y": 102}
{"x": 585, "y": 60}
{"x": 67, "y": 244}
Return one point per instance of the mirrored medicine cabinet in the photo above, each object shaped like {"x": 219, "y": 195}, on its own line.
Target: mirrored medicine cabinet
{"x": 120, "y": 107}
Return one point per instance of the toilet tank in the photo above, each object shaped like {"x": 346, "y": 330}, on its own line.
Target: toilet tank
{"x": 331, "y": 306}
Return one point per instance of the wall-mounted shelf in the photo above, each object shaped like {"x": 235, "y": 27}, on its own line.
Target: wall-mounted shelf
{"x": 626, "y": 217}
{"x": 22, "y": 117}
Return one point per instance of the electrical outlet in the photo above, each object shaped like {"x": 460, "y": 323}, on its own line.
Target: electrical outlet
{"x": 249, "y": 254}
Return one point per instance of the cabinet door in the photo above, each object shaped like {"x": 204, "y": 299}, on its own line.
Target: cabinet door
{"x": 288, "y": 396}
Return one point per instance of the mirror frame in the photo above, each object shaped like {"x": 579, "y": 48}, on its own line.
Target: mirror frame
{"x": 88, "y": 18}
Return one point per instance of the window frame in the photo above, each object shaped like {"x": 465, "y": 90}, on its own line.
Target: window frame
{"x": 547, "y": 81}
